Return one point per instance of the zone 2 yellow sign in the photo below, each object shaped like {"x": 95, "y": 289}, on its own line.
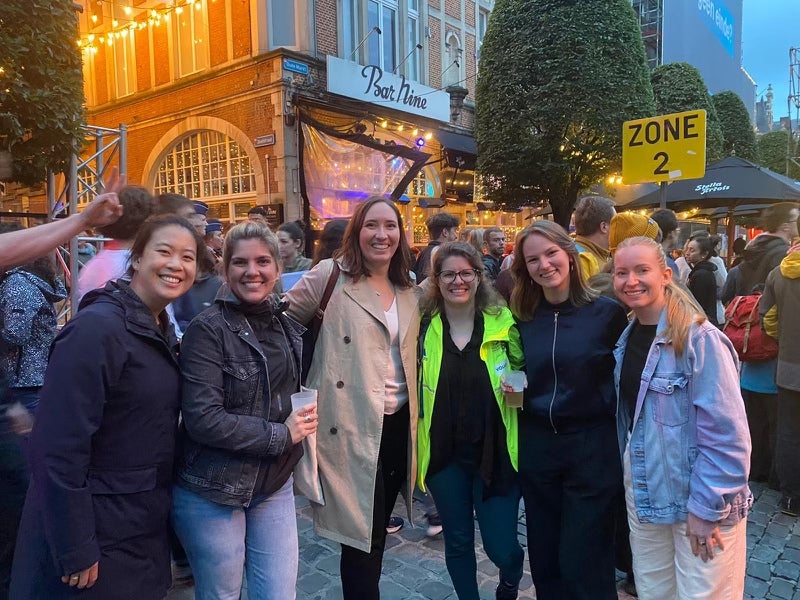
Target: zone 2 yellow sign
{"x": 664, "y": 148}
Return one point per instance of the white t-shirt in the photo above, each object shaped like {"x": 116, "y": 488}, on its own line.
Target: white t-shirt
{"x": 396, "y": 386}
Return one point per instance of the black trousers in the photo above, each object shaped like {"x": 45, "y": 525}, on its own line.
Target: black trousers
{"x": 787, "y": 444}
{"x": 14, "y": 480}
{"x": 570, "y": 484}
{"x": 361, "y": 571}
{"x": 762, "y": 412}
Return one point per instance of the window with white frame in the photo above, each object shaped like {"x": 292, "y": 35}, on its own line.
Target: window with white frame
{"x": 123, "y": 58}
{"x": 483, "y": 23}
{"x": 399, "y": 22}
{"x": 384, "y": 49}
{"x": 412, "y": 28}
{"x": 190, "y": 38}
{"x": 205, "y": 164}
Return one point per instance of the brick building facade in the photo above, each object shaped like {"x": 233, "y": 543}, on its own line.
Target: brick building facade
{"x": 213, "y": 112}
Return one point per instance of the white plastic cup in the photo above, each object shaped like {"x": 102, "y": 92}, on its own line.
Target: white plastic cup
{"x": 518, "y": 381}
{"x": 304, "y": 399}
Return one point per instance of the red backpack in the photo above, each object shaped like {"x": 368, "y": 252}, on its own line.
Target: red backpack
{"x": 743, "y": 329}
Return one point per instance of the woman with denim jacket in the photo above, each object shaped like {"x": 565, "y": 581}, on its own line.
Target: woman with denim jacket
{"x": 569, "y": 468}
{"x": 467, "y": 434}
{"x": 683, "y": 436}
{"x": 233, "y": 503}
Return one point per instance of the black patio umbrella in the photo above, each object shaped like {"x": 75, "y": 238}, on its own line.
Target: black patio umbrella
{"x": 728, "y": 183}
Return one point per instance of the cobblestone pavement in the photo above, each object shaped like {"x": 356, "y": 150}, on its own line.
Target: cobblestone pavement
{"x": 414, "y": 568}
{"x": 773, "y": 549}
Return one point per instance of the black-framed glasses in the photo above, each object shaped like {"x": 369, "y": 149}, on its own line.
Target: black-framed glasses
{"x": 467, "y": 275}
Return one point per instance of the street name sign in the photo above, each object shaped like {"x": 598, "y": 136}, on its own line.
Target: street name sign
{"x": 664, "y": 148}
{"x": 295, "y": 66}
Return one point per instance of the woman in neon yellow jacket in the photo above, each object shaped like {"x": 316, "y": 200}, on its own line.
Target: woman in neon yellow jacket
{"x": 467, "y": 435}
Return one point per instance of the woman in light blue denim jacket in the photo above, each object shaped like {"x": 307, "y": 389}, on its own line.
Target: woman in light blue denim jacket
{"x": 683, "y": 436}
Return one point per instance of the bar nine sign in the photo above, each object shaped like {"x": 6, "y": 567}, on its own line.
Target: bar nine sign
{"x": 372, "y": 84}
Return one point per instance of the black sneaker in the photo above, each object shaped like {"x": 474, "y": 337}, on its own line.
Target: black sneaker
{"x": 434, "y": 526}
{"x": 789, "y": 505}
{"x": 506, "y": 591}
{"x": 629, "y": 586}
{"x": 395, "y": 524}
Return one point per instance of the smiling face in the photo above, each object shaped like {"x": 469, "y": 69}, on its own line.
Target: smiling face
{"x": 252, "y": 271}
{"x": 457, "y": 292}
{"x": 287, "y": 246}
{"x": 548, "y": 265}
{"x": 379, "y": 236}
{"x": 640, "y": 280}
{"x": 166, "y": 268}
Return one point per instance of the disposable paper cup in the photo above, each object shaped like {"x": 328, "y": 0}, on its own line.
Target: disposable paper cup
{"x": 306, "y": 398}
{"x": 517, "y": 380}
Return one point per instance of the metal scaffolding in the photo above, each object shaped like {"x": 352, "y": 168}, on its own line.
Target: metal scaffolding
{"x": 794, "y": 108}
{"x": 84, "y": 180}
{"x": 650, "y": 14}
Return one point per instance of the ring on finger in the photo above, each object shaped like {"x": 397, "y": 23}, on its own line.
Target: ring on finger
{"x": 308, "y": 419}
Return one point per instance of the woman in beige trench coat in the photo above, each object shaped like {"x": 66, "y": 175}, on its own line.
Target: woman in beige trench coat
{"x": 364, "y": 367}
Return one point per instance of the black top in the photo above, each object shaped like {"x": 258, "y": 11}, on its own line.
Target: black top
{"x": 466, "y": 426}
{"x": 283, "y": 382}
{"x": 703, "y": 284}
{"x": 639, "y": 342}
{"x": 569, "y": 361}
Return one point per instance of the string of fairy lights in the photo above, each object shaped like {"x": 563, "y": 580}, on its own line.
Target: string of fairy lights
{"x": 130, "y": 20}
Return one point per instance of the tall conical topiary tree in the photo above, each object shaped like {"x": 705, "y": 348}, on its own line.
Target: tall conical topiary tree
{"x": 679, "y": 87}
{"x": 556, "y": 80}
{"x": 738, "y": 134}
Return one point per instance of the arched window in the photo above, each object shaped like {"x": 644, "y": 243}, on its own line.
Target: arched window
{"x": 454, "y": 62}
{"x": 206, "y": 164}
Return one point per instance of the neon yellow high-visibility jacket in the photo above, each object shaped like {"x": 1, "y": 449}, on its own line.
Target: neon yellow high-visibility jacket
{"x": 501, "y": 349}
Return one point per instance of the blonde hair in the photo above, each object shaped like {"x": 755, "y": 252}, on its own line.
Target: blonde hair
{"x": 527, "y": 294}
{"x": 681, "y": 308}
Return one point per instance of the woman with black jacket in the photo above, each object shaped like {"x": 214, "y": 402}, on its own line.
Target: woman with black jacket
{"x": 233, "y": 505}
{"x": 103, "y": 445}
{"x": 702, "y": 280}
{"x": 569, "y": 465}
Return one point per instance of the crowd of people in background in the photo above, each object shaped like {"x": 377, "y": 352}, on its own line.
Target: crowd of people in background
{"x": 156, "y": 430}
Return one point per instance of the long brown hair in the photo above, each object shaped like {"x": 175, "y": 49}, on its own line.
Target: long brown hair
{"x": 486, "y": 298}
{"x": 682, "y": 309}
{"x": 353, "y": 258}
{"x": 527, "y": 294}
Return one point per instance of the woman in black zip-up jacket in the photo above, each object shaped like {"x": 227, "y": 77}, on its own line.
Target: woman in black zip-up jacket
{"x": 569, "y": 463}
{"x": 702, "y": 281}
{"x": 233, "y": 503}
{"x": 103, "y": 444}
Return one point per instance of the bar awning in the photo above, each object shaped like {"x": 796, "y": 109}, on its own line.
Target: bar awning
{"x": 460, "y": 150}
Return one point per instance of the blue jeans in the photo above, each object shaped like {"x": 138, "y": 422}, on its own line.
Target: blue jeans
{"x": 458, "y": 490}
{"x": 222, "y": 542}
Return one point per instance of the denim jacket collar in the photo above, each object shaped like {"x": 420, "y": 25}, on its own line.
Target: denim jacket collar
{"x": 652, "y": 358}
